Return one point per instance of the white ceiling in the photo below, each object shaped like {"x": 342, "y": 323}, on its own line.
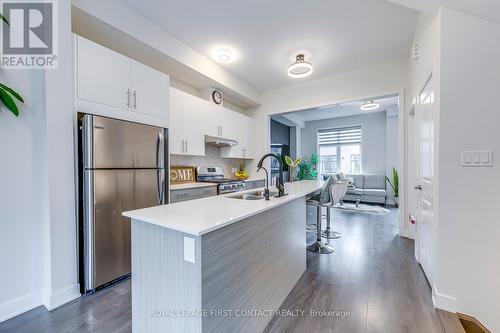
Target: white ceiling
{"x": 335, "y": 111}
{"x": 337, "y": 35}
{"x": 485, "y": 9}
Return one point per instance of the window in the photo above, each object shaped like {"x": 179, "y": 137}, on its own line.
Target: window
{"x": 340, "y": 150}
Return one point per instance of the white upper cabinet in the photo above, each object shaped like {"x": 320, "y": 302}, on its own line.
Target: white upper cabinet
{"x": 149, "y": 90}
{"x": 240, "y": 128}
{"x": 103, "y": 75}
{"x": 112, "y": 85}
{"x": 214, "y": 119}
{"x": 187, "y": 124}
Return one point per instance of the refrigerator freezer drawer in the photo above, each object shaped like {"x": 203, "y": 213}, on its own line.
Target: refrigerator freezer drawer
{"x": 106, "y": 231}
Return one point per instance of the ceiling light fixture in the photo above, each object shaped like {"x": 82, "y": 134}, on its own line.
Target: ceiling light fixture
{"x": 300, "y": 68}
{"x": 370, "y": 105}
{"x": 224, "y": 55}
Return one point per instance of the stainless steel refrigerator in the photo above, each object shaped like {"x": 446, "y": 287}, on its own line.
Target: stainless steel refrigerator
{"x": 122, "y": 167}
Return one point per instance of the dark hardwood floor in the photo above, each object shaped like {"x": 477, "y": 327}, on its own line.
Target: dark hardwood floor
{"x": 372, "y": 276}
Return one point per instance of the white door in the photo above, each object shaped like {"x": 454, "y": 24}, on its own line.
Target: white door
{"x": 103, "y": 75}
{"x": 149, "y": 91}
{"x": 425, "y": 113}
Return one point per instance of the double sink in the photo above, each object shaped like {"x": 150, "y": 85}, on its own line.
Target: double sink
{"x": 254, "y": 195}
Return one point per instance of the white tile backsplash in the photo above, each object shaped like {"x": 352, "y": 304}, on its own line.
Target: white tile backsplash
{"x": 211, "y": 158}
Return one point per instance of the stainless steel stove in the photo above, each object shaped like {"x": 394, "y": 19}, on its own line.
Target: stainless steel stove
{"x": 216, "y": 175}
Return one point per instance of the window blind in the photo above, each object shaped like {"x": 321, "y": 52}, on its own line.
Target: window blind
{"x": 336, "y": 136}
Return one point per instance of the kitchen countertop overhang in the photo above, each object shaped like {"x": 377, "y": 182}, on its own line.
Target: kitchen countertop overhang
{"x": 201, "y": 216}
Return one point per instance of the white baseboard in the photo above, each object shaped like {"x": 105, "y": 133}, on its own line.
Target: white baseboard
{"x": 60, "y": 297}
{"x": 444, "y": 302}
{"x": 22, "y": 304}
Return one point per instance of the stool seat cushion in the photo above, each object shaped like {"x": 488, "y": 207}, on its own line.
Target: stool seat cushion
{"x": 324, "y": 196}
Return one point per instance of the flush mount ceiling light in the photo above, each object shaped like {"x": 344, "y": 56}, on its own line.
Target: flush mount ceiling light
{"x": 370, "y": 105}
{"x": 223, "y": 55}
{"x": 300, "y": 68}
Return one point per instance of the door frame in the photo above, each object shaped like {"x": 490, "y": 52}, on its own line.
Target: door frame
{"x": 404, "y": 223}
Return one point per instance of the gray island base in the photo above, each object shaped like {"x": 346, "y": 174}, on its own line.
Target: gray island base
{"x": 241, "y": 273}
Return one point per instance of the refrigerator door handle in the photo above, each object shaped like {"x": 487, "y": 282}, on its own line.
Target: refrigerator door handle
{"x": 160, "y": 163}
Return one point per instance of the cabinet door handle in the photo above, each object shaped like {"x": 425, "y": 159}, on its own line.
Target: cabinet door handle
{"x": 182, "y": 146}
{"x": 128, "y": 98}
{"x": 135, "y": 99}
{"x": 187, "y": 146}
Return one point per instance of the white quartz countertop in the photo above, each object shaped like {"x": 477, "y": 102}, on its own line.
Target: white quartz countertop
{"x": 200, "y": 216}
{"x": 174, "y": 187}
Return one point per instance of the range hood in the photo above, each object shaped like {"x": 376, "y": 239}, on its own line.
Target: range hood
{"x": 219, "y": 142}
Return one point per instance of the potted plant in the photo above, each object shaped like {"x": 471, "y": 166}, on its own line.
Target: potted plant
{"x": 394, "y": 183}
{"x": 292, "y": 165}
{"x": 7, "y": 94}
{"x": 308, "y": 168}
{"x": 242, "y": 173}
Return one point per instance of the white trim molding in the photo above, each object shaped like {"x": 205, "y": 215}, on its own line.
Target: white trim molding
{"x": 60, "y": 297}
{"x": 444, "y": 302}
{"x": 20, "y": 305}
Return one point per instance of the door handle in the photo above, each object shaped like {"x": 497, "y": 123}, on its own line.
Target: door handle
{"x": 135, "y": 99}
{"x": 418, "y": 187}
{"x": 128, "y": 98}
{"x": 160, "y": 177}
{"x": 187, "y": 149}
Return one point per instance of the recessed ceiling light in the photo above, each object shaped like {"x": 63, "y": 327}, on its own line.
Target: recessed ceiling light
{"x": 224, "y": 55}
{"x": 369, "y": 105}
{"x": 300, "y": 68}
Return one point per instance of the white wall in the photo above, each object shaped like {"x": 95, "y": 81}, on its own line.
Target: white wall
{"x": 469, "y": 249}
{"x": 37, "y": 204}
{"x": 373, "y": 150}
{"x": 21, "y": 196}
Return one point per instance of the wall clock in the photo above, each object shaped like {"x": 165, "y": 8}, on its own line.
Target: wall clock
{"x": 217, "y": 97}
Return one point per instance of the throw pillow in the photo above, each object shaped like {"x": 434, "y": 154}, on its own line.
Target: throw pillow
{"x": 341, "y": 176}
{"x": 350, "y": 181}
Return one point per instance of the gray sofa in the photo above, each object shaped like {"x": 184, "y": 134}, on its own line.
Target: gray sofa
{"x": 367, "y": 188}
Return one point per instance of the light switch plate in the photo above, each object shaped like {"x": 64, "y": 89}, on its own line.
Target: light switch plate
{"x": 477, "y": 158}
{"x": 189, "y": 249}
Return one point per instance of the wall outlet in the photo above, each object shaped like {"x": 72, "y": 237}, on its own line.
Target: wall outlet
{"x": 189, "y": 249}
{"x": 477, "y": 158}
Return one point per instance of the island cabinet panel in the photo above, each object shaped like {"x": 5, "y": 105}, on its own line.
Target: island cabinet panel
{"x": 184, "y": 283}
{"x": 164, "y": 286}
{"x": 252, "y": 265}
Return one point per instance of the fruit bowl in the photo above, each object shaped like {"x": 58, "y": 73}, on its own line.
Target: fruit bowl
{"x": 242, "y": 176}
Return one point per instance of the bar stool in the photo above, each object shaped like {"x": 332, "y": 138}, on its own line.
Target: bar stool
{"x": 318, "y": 246}
{"x": 339, "y": 192}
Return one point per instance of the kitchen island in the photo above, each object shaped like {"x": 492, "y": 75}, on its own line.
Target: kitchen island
{"x": 217, "y": 264}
